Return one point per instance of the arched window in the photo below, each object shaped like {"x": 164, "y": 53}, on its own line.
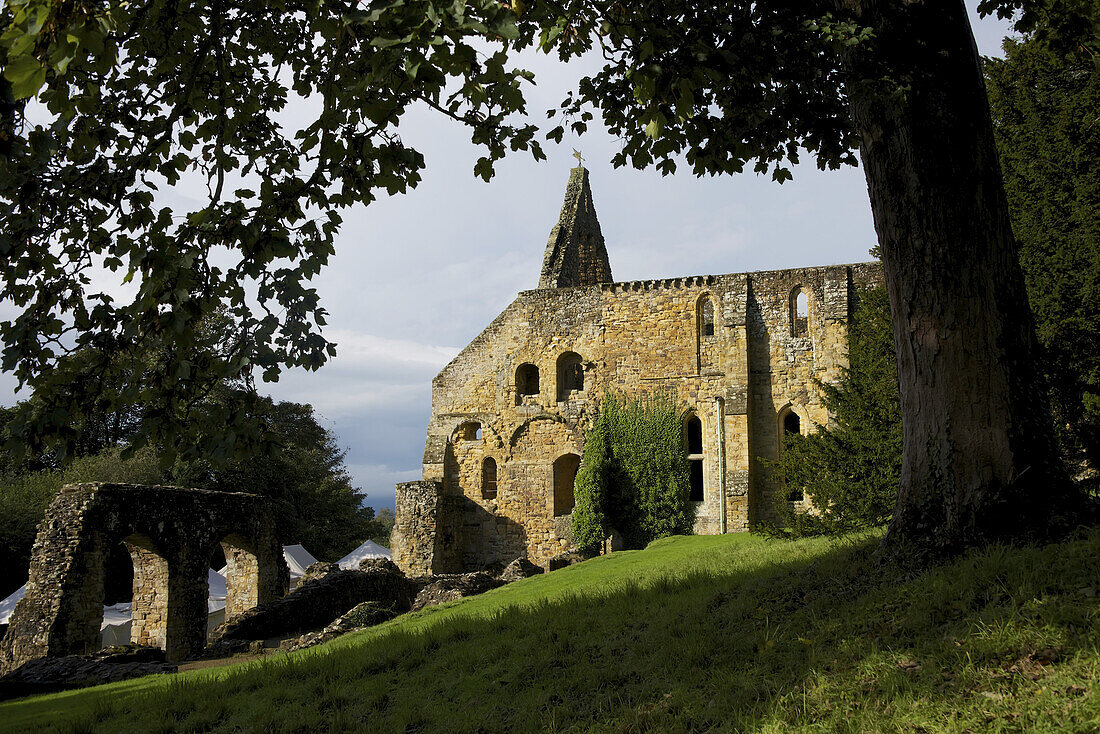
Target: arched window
{"x": 527, "y": 381}
{"x": 570, "y": 375}
{"x": 469, "y": 431}
{"x": 792, "y": 425}
{"x": 706, "y": 317}
{"x": 489, "y": 478}
{"x": 799, "y": 312}
{"x": 565, "y": 476}
{"x": 693, "y": 429}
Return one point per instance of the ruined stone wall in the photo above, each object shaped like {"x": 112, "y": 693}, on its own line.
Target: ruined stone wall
{"x": 172, "y": 534}
{"x": 414, "y": 541}
{"x": 738, "y": 377}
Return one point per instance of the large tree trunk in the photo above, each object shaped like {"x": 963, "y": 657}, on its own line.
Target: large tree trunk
{"x": 980, "y": 461}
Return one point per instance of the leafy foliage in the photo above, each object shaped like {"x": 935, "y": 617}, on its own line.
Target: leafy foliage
{"x": 134, "y": 98}
{"x": 633, "y": 476}
{"x": 304, "y": 476}
{"x": 1048, "y": 134}
{"x": 850, "y": 470}
{"x": 24, "y": 497}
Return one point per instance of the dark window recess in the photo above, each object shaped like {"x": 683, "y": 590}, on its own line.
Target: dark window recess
{"x": 695, "y": 456}
{"x": 695, "y": 435}
{"x": 527, "y": 380}
{"x": 489, "y": 478}
{"x": 706, "y": 317}
{"x": 696, "y": 480}
{"x": 792, "y": 425}
{"x": 565, "y": 477}
{"x": 570, "y": 375}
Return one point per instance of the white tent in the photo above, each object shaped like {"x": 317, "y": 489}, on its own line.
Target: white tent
{"x": 215, "y": 597}
{"x": 7, "y": 606}
{"x": 115, "y": 627}
{"x": 370, "y": 549}
{"x": 298, "y": 559}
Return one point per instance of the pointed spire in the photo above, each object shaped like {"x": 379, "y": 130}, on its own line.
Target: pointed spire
{"x": 575, "y": 254}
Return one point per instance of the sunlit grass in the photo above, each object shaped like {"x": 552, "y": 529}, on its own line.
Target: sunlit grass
{"x": 729, "y": 633}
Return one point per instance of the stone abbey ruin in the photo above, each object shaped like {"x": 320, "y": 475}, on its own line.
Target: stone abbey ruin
{"x": 171, "y": 534}
{"x": 741, "y": 352}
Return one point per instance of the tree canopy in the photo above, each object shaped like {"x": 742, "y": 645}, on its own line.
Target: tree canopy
{"x": 304, "y": 476}
{"x": 1046, "y": 120}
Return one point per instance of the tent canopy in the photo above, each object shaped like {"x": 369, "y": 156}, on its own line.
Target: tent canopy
{"x": 298, "y": 559}
{"x": 369, "y": 549}
{"x": 7, "y": 606}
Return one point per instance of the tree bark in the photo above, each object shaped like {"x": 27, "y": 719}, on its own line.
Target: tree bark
{"x": 980, "y": 461}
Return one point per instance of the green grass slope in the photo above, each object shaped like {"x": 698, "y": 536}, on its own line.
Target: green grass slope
{"x": 729, "y": 633}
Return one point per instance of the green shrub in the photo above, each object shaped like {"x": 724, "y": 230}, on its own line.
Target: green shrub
{"x": 850, "y": 471}
{"x": 634, "y": 475}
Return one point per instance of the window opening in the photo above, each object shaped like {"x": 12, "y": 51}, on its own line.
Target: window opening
{"x": 694, "y": 429}
{"x": 799, "y": 313}
{"x": 565, "y": 477}
{"x": 792, "y": 425}
{"x": 570, "y": 375}
{"x": 470, "y": 431}
{"x": 527, "y": 381}
{"x": 489, "y": 478}
{"x": 706, "y": 317}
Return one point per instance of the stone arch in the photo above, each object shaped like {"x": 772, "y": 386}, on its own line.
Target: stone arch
{"x": 522, "y": 428}
{"x": 170, "y": 532}
{"x": 466, "y": 449}
{"x": 565, "y": 477}
{"x": 570, "y": 374}
{"x": 527, "y": 383}
{"x": 799, "y": 309}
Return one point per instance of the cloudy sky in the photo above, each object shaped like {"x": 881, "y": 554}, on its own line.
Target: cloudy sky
{"x": 416, "y": 277}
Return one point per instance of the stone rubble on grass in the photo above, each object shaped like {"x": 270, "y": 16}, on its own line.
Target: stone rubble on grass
{"x": 377, "y": 592}
{"x": 47, "y": 675}
{"x": 521, "y": 568}
{"x": 314, "y": 604}
{"x": 450, "y": 586}
{"x": 564, "y": 559}
{"x": 361, "y": 616}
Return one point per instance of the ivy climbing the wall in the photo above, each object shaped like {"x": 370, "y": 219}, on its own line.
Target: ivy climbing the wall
{"x": 634, "y": 477}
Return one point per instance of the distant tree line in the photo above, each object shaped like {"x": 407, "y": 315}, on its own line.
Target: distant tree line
{"x": 301, "y": 471}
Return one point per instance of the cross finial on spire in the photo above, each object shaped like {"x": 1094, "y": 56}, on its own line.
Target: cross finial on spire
{"x": 577, "y": 155}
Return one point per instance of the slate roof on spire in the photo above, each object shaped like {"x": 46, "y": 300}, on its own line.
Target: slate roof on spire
{"x": 575, "y": 253}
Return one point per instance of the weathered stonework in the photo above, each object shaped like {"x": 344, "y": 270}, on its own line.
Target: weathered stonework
{"x": 740, "y": 352}
{"x": 172, "y": 534}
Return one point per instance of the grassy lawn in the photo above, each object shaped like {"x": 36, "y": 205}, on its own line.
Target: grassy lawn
{"x": 729, "y": 633}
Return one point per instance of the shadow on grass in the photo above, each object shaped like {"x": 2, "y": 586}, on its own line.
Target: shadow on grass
{"x": 689, "y": 636}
